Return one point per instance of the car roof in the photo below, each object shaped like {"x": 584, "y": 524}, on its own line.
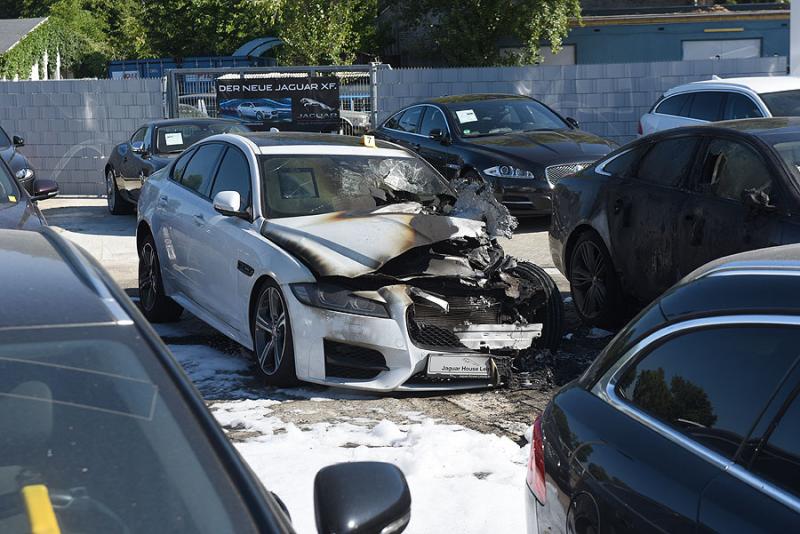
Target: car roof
{"x": 46, "y": 281}
{"x": 267, "y": 139}
{"x": 757, "y": 84}
{"x": 456, "y": 99}
{"x": 764, "y": 281}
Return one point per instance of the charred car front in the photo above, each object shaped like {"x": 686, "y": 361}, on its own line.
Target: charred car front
{"x": 342, "y": 264}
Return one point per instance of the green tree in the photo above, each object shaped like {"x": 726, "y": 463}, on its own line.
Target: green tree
{"x": 317, "y": 32}
{"x": 468, "y": 32}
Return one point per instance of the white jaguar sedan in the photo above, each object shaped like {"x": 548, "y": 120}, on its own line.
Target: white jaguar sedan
{"x": 341, "y": 262}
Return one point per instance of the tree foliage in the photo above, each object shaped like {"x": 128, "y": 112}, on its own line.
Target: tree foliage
{"x": 471, "y": 32}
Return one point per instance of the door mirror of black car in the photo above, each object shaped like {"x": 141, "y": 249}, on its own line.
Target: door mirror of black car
{"x": 18, "y": 141}
{"x": 359, "y": 497}
{"x": 437, "y": 134}
{"x": 572, "y": 122}
{"x": 138, "y": 148}
{"x": 43, "y": 189}
{"x": 758, "y": 200}
{"x": 229, "y": 203}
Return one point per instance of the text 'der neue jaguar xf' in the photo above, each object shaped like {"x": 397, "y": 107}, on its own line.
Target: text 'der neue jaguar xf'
{"x": 341, "y": 261}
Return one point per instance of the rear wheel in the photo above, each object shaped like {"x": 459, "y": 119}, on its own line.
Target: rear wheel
{"x": 272, "y": 336}
{"x": 551, "y": 314}
{"x": 594, "y": 283}
{"x": 116, "y": 204}
{"x": 155, "y": 304}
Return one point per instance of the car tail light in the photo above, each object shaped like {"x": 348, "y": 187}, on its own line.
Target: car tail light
{"x": 535, "y": 478}
{"x": 639, "y": 128}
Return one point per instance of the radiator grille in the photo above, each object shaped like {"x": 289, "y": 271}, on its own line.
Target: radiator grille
{"x": 555, "y": 173}
{"x": 430, "y": 326}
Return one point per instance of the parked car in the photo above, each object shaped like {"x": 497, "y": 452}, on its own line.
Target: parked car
{"x": 516, "y": 143}
{"x": 18, "y": 209}
{"x": 266, "y": 109}
{"x": 723, "y": 99}
{"x": 151, "y": 147}
{"x": 334, "y": 260}
{"x": 103, "y": 432}
{"x": 638, "y": 220}
{"x": 689, "y": 421}
{"x": 19, "y": 164}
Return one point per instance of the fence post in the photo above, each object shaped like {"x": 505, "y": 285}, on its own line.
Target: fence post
{"x": 373, "y": 80}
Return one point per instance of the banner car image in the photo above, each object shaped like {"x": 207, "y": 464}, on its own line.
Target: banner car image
{"x": 303, "y": 104}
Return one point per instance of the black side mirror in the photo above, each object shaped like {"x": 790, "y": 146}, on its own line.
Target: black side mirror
{"x": 572, "y": 122}
{"x": 436, "y": 134}
{"x": 18, "y": 141}
{"x": 138, "y": 148}
{"x": 758, "y": 200}
{"x": 361, "y": 497}
{"x": 43, "y": 188}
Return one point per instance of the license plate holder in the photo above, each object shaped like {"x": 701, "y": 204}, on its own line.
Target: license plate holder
{"x": 458, "y": 365}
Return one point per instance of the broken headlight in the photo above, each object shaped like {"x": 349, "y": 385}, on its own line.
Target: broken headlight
{"x": 507, "y": 171}
{"x": 339, "y": 299}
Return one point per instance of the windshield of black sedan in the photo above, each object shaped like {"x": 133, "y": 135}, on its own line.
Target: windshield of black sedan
{"x": 783, "y": 103}
{"x": 297, "y": 185}
{"x": 501, "y": 116}
{"x": 8, "y": 187}
{"x": 176, "y": 138}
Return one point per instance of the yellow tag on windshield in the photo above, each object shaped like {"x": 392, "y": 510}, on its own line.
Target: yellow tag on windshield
{"x": 12, "y": 198}
{"x": 40, "y": 510}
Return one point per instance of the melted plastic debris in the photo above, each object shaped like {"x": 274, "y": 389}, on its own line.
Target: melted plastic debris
{"x": 476, "y": 201}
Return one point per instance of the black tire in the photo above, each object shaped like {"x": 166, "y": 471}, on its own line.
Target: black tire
{"x": 271, "y": 327}
{"x": 551, "y": 315}
{"x": 593, "y": 282}
{"x": 154, "y": 303}
{"x": 116, "y": 204}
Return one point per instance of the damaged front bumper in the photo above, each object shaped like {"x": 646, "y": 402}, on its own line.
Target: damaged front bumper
{"x": 417, "y": 348}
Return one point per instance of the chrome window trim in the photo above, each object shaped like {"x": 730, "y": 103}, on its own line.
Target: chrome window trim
{"x": 423, "y": 116}
{"x": 605, "y": 389}
{"x": 767, "y": 270}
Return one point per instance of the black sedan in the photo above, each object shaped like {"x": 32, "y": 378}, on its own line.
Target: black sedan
{"x": 17, "y": 162}
{"x": 18, "y": 209}
{"x": 689, "y": 421}
{"x": 151, "y": 148}
{"x": 628, "y": 227}
{"x": 516, "y": 143}
{"x": 101, "y": 431}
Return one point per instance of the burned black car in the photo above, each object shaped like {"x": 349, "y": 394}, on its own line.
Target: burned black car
{"x": 627, "y": 228}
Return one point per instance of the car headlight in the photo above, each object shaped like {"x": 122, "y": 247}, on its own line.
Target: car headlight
{"x": 24, "y": 174}
{"x": 507, "y": 171}
{"x": 339, "y": 299}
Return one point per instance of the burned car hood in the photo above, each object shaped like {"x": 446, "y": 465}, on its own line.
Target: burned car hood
{"x": 545, "y": 146}
{"x": 353, "y": 244}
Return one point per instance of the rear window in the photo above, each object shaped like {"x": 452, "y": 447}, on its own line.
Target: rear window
{"x": 712, "y": 384}
{"x": 677, "y": 105}
{"x": 707, "y": 106}
{"x": 783, "y": 103}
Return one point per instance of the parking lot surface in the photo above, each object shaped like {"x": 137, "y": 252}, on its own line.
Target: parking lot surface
{"x": 471, "y": 446}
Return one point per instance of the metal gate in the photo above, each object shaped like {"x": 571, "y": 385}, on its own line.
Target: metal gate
{"x": 190, "y": 92}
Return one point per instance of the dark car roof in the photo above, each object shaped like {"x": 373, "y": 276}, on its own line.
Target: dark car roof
{"x": 46, "y": 281}
{"x": 300, "y": 138}
{"x": 455, "y": 99}
{"x": 771, "y": 130}
{"x": 760, "y": 281}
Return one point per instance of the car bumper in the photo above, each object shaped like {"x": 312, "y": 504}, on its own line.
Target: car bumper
{"x": 531, "y": 508}
{"x": 526, "y": 197}
{"x": 324, "y": 339}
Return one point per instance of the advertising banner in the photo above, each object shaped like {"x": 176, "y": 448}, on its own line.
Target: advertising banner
{"x": 295, "y": 104}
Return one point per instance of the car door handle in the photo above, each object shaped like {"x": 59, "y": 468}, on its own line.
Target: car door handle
{"x": 415, "y": 147}
{"x": 162, "y": 200}
{"x": 199, "y": 220}
{"x": 619, "y": 204}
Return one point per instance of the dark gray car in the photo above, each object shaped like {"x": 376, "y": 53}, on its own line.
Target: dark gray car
{"x": 151, "y": 147}
{"x": 18, "y": 209}
{"x": 17, "y": 162}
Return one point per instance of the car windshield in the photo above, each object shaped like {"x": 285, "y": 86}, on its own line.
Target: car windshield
{"x": 176, "y": 138}
{"x": 312, "y": 184}
{"x": 8, "y": 186}
{"x": 499, "y": 116}
{"x": 98, "y": 421}
{"x": 783, "y": 103}
{"x": 790, "y": 153}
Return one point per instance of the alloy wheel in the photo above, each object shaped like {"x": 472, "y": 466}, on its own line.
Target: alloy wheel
{"x": 270, "y": 330}
{"x": 589, "y": 279}
{"x": 110, "y": 196}
{"x": 148, "y": 277}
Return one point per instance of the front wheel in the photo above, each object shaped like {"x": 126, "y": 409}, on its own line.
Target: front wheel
{"x": 155, "y": 304}
{"x": 272, "y": 336}
{"x": 593, "y": 282}
{"x": 551, "y": 313}
{"x": 116, "y": 204}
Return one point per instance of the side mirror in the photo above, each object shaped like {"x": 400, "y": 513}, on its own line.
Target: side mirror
{"x": 361, "y": 497}
{"x": 572, "y": 122}
{"x": 438, "y": 135}
{"x": 43, "y": 189}
{"x": 229, "y": 203}
{"x": 18, "y": 141}
{"x": 138, "y": 148}
{"x": 758, "y": 200}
